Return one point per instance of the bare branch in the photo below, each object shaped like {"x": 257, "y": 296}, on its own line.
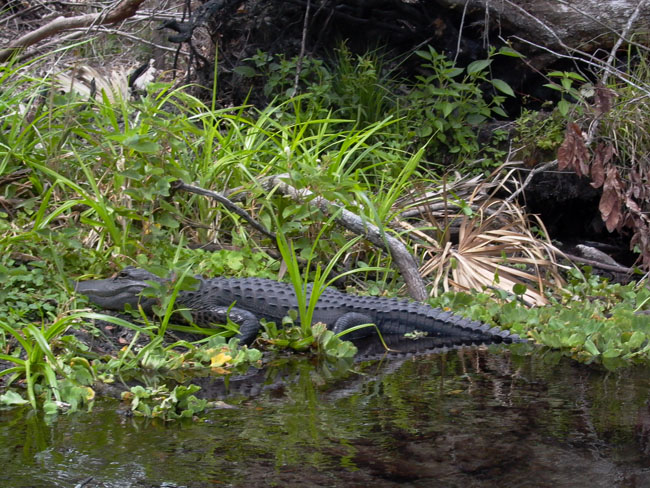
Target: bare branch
{"x": 296, "y": 81}
{"x": 124, "y": 10}
{"x": 538, "y": 169}
{"x": 402, "y": 258}
{"x": 180, "y": 185}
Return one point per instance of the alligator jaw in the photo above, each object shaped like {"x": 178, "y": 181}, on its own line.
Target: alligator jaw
{"x": 115, "y": 293}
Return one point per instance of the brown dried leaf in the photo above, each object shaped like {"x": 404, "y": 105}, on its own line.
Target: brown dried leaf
{"x": 637, "y": 188}
{"x": 608, "y": 201}
{"x": 611, "y": 200}
{"x": 566, "y": 150}
{"x": 614, "y": 219}
{"x": 632, "y": 205}
{"x": 602, "y": 157}
{"x": 573, "y": 152}
{"x": 612, "y": 181}
{"x": 603, "y": 99}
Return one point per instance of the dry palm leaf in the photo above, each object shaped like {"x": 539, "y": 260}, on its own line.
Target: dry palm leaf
{"x": 495, "y": 246}
{"x": 88, "y": 82}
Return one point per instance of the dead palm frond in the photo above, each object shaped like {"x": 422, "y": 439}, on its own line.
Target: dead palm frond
{"x": 88, "y": 82}
{"x": 480, "y": 241}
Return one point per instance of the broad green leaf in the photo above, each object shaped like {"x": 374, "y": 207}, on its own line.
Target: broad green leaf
{"x": 563, "y": 107}
{"x": 12, "y": 398}
{"x": 503, "y": 87}
{"x": 591, "y": 348}
{"x": 453, "y": 72}
{"x": 519, "y": 289}
{"x": 447, "y": 108}
{"x": 245, "y": 71}
{"x": 141, "y": 144}
{"x": 476, "y": 66}
{"x": 636, "y": 340}
{"x": 612, "y": 353}
{"x": 508, "y": 51}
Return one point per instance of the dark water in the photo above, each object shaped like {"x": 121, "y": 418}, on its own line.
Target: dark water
{"x": 467, "y": 418}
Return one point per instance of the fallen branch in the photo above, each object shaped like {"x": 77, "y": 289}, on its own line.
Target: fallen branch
{"x": 123, "y": 10}
{"x": 403, "y": 259}
{"x": 180, "y": 185}
{"x": 600, "y": 265}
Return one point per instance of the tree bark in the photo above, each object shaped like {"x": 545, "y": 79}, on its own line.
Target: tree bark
{"x": 557, "y": 24}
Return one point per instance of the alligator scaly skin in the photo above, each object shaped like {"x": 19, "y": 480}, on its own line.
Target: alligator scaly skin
{"x": 258, "y": 298}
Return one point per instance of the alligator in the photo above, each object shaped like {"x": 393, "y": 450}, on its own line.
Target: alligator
{"x": 247, "y": 300}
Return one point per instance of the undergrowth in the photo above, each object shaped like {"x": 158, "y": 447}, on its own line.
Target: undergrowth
{"x": 88, "y": 185}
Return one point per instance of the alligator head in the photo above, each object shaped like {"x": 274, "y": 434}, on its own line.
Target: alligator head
{"x": 123, "y": 288}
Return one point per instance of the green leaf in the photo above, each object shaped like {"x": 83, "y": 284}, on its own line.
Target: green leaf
{"x": 503, "y": 87}
{"x": 591, "y": 348}
{"x": 563, "y": 107}
{"x": 477, "y": 66}
{"x": 447, "y": 108}
{"x": 454, "y": 72}
{"x": 245, "y": 71}
{"x": 519, "y": 289}
{"x": 12, "y": 398}
{"x": 636, "y": 340}
{"x": 50, "y": 408}
{"x": 141, "y": 144}
{"x": 553, "y": 86}
{"x": 508, "y": 51}
{"x": 612, "y": 353}
{"x": 575, "y": 76}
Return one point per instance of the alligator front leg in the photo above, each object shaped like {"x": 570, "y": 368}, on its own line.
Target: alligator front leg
{"x": 249, "y": 324}
{"x": 352, "y": 319}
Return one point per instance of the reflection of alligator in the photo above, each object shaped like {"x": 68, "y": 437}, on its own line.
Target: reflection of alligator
{"x": 337, "y": 378}
{"x": 256, "y": 298}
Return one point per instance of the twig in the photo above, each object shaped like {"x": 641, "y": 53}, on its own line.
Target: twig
{"x": 140, "y": 40}
{"x": 460, "y": 30}
{"x": 180, "y": 185}
{"x": 593, "y": 128}
{"x": 596, "y": 63}
{"x": 124, "y": 10}
{"x": 296, "y": 81}
{"x": 22, "y": 12}
{"x": 60, "y": 41}
{"x": 607, "y": 67}
{"x": 528, "y": 179}
{"x": 402, "y": 258}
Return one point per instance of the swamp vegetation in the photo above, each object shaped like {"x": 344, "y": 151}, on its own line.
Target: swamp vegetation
{"x": 95, "y": 180}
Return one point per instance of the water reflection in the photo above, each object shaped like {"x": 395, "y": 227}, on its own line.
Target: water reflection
{"x": 466, "y": 417}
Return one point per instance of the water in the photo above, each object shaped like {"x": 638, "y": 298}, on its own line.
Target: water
{"x": 468, "y": 418}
